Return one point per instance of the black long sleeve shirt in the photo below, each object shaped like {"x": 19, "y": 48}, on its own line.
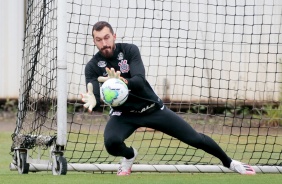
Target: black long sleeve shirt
{"x": 127, "y": 60}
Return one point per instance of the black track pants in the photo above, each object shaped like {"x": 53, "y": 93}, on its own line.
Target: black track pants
{"x": 121, "y": 126}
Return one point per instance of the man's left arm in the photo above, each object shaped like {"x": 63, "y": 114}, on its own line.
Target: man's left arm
{"x": 137, "y": 70}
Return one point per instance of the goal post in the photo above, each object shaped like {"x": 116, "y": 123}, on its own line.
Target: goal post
{"x": 43, "y": 87}
{"x": 216, "y": 64}
{"x": 62, "y": 74}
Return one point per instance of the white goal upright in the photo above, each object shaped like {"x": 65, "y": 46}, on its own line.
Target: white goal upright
{"x": 216, "y": 63}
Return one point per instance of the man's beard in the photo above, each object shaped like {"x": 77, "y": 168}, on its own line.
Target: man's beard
{"x": 106, "y": 52}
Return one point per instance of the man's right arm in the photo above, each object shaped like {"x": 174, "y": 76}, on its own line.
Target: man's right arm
{"x": 91, "y": 77}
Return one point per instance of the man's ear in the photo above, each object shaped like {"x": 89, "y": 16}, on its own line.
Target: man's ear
{"x": 115, "y": 36}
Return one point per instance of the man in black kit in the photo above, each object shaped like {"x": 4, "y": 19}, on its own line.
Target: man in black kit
{"x": 143, "y": 107}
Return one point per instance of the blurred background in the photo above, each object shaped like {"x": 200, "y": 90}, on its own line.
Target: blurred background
{"x": 11, "y": 45}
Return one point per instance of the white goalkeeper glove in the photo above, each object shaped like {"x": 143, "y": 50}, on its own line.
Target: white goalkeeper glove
{"x": 89, "y": 98}
{"x": 112, "y": 74}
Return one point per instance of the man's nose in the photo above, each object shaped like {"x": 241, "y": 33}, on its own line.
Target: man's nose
{"x": 104, "y": 42}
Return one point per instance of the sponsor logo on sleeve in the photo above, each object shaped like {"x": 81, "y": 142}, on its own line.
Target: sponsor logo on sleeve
{"x": 102, "y": 64}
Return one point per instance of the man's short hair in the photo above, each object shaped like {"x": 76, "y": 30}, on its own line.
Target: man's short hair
{"x": 100, "y": 25}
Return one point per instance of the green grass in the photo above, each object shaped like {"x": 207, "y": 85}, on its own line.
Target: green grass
{"x": 240, "y": 147}
{"x": 7, "y": 176}
{"x": 138, "y": 178}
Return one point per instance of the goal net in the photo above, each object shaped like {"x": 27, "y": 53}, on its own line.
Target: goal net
{"x": 215, "y": 63}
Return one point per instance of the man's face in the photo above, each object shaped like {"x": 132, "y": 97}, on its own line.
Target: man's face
{"x": 105, "y": 41}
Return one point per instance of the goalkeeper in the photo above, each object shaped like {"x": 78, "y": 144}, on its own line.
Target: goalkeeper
{"x": 143, "y": 107}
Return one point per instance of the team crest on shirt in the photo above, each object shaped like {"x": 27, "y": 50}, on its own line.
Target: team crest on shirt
{"x": 123, "y": 66}
{"x": 102, "y": 64}
{"x": 120, "y": 56}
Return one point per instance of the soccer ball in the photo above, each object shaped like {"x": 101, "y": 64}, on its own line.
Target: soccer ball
{"x": 114, "y": 92}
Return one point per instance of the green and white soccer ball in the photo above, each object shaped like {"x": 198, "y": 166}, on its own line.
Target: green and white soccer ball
{"x": 114, "y": 92}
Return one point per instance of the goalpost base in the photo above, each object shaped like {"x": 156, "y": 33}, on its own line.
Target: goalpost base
{"x": 148, "y": 168}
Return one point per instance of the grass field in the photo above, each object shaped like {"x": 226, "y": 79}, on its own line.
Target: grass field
{"x": 7, "y": 176}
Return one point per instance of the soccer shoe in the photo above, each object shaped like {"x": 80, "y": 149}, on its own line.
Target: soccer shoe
{"x": 126, "y": 164}
{"x": 241, "y": 168}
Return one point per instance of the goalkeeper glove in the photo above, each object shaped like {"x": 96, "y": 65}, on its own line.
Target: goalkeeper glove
{"x": 89, "y": 98}
{"x": 112, "y": 74}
